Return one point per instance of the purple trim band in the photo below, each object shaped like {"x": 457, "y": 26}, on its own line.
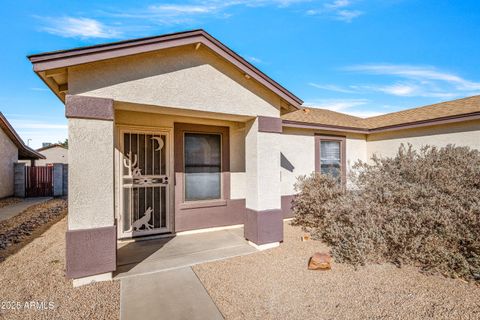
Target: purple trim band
{"x": 269, "y": 124}
{"x": 263, "y": 227}
{"x": 91, "y": 251}
{"x": 287, "y": 206}
{"x": 84, "y": 107}
{"x": 207, "y": 214}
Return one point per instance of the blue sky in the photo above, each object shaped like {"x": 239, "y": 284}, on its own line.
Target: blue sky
{"x": 363, "y": 57}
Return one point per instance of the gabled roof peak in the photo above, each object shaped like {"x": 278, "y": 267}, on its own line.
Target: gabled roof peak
{"x": 61, "y": 59}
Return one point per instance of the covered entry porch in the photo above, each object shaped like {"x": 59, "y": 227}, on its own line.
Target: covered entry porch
{"x": 184, "y": 250}
{"x": 177, "y": 171}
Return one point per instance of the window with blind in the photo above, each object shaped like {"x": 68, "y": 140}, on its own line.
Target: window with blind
{"x": 330, "y": 156}
{"x": 202, "y": 161}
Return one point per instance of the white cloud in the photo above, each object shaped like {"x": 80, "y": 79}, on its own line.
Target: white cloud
{"x": 364, "y": 113}
{"x": 339, "y": 10}
{"x": 71, "y": 27}
{"x": 338, "y": 4}
{"x": 183, "y": 9}
{"x": 196, "y": 10}
{"x": 36, "y": 132}
{"x": 332, "y": 87}
{"x": 399, "y": 89}
{"x": 348, "y": 15}
{"x": 412, "y": 90}
{"x": 32, "y": 124}
{"x": 169, "y": 13}
{"x": 347, "y": 106}
{"x": 254, "y": 60}
{"x": 408, "y": 81}
{"x": 417, "y": 73}
{"x": 339, "y": 105}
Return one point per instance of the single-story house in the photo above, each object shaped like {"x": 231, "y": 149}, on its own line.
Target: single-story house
{"x": 12, "y": 149}
{"x": 53, "y": 153}
{"x": 178, "y": 132}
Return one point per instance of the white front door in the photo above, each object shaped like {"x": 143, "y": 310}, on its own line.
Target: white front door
{"x": 145, "y": 183}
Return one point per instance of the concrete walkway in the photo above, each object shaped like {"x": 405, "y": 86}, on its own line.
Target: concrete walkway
{"x": 156, "y": 279}
{"x": 150, "y": 256}
{"x": 170, "y": 295}
{"x": 14, "y": 209}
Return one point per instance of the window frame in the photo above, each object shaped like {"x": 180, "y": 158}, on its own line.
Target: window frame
{"x": 343, "y": 152}
{"x": 179, "y": 161}
{"x": 184, "y": 167}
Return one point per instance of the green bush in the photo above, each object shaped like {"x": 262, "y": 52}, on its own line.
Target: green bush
{"x": 419, "y": 207}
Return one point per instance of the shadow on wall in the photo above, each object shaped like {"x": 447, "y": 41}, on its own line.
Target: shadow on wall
{"x": 285, "y": 164}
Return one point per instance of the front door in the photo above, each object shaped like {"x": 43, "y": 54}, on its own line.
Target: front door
{"x": 145, "y": 178}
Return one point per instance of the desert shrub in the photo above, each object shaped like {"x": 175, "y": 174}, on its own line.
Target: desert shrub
{"x": 419, "y": 207}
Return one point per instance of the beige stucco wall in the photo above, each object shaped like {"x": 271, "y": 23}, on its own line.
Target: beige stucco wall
{"x": 461, "y": 134}
{"x": 90, "y": 174}
{"x": 298, "y": 148}
{"x": 53, "y": 155}
{"x": 237, "y": 140}
{"x": 178, "y": 78}
{"x": 8, "y": 156}
{"x": 262, "y": 156}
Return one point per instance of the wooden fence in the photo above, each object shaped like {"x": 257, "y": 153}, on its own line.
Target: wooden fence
{"x": 39, "y": 181}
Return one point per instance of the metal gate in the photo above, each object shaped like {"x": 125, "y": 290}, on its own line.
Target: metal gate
{"x": 144, "y": 183}
{"x": 39, "y": 181}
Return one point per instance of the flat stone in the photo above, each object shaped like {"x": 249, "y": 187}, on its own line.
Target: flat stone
{"x": 320, "y": 261}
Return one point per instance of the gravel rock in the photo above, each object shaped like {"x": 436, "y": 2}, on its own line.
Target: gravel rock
{"x": 9, "y": 201}
{"x": 37, "y": 274}
{"x": 275, "y": 284}
{"x": 17, "y": 231}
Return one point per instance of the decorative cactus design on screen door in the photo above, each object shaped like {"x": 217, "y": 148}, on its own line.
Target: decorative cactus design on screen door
{"x": 144, "y": 184}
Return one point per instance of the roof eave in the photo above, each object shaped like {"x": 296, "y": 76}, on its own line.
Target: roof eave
{"x": 66, "y": 58}
{"x": 428, "y": 122}
{"x": 326, "y": 127}
{"x": 24, "y": 151}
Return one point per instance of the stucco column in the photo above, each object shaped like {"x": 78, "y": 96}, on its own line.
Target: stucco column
{"x": 19, "y": 179}
{"x": 264, "y": 220}
{"x": 91, "y": 235}
{"x": 57, "y": 179}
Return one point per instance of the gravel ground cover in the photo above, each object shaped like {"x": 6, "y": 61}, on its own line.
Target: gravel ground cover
{"x": 275, "y": 284}
{"x": 9, "y": 201}
{"x": 19, "y": 230}
{"x": 36, "y": 274}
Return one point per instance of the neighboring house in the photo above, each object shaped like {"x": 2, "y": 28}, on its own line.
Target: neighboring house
{"x": 12, "y": 149}
{"x": 178, "y": 132}
{"x": 54, "y": 153}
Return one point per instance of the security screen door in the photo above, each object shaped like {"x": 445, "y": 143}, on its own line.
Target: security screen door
{"x": 145, "y": 180}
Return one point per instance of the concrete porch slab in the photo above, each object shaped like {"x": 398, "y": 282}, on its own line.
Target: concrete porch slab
{"x": 176, "y": 294}
{"x": 150, "y": 256}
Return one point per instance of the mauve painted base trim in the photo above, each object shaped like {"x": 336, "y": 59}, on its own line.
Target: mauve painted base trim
{"x": 91, "y": 251}
{"x": 232, "y": 213}
{"x": 84, "y": 107}
{"x": 263, "y": 227}
{"x": 287, "y": 206}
